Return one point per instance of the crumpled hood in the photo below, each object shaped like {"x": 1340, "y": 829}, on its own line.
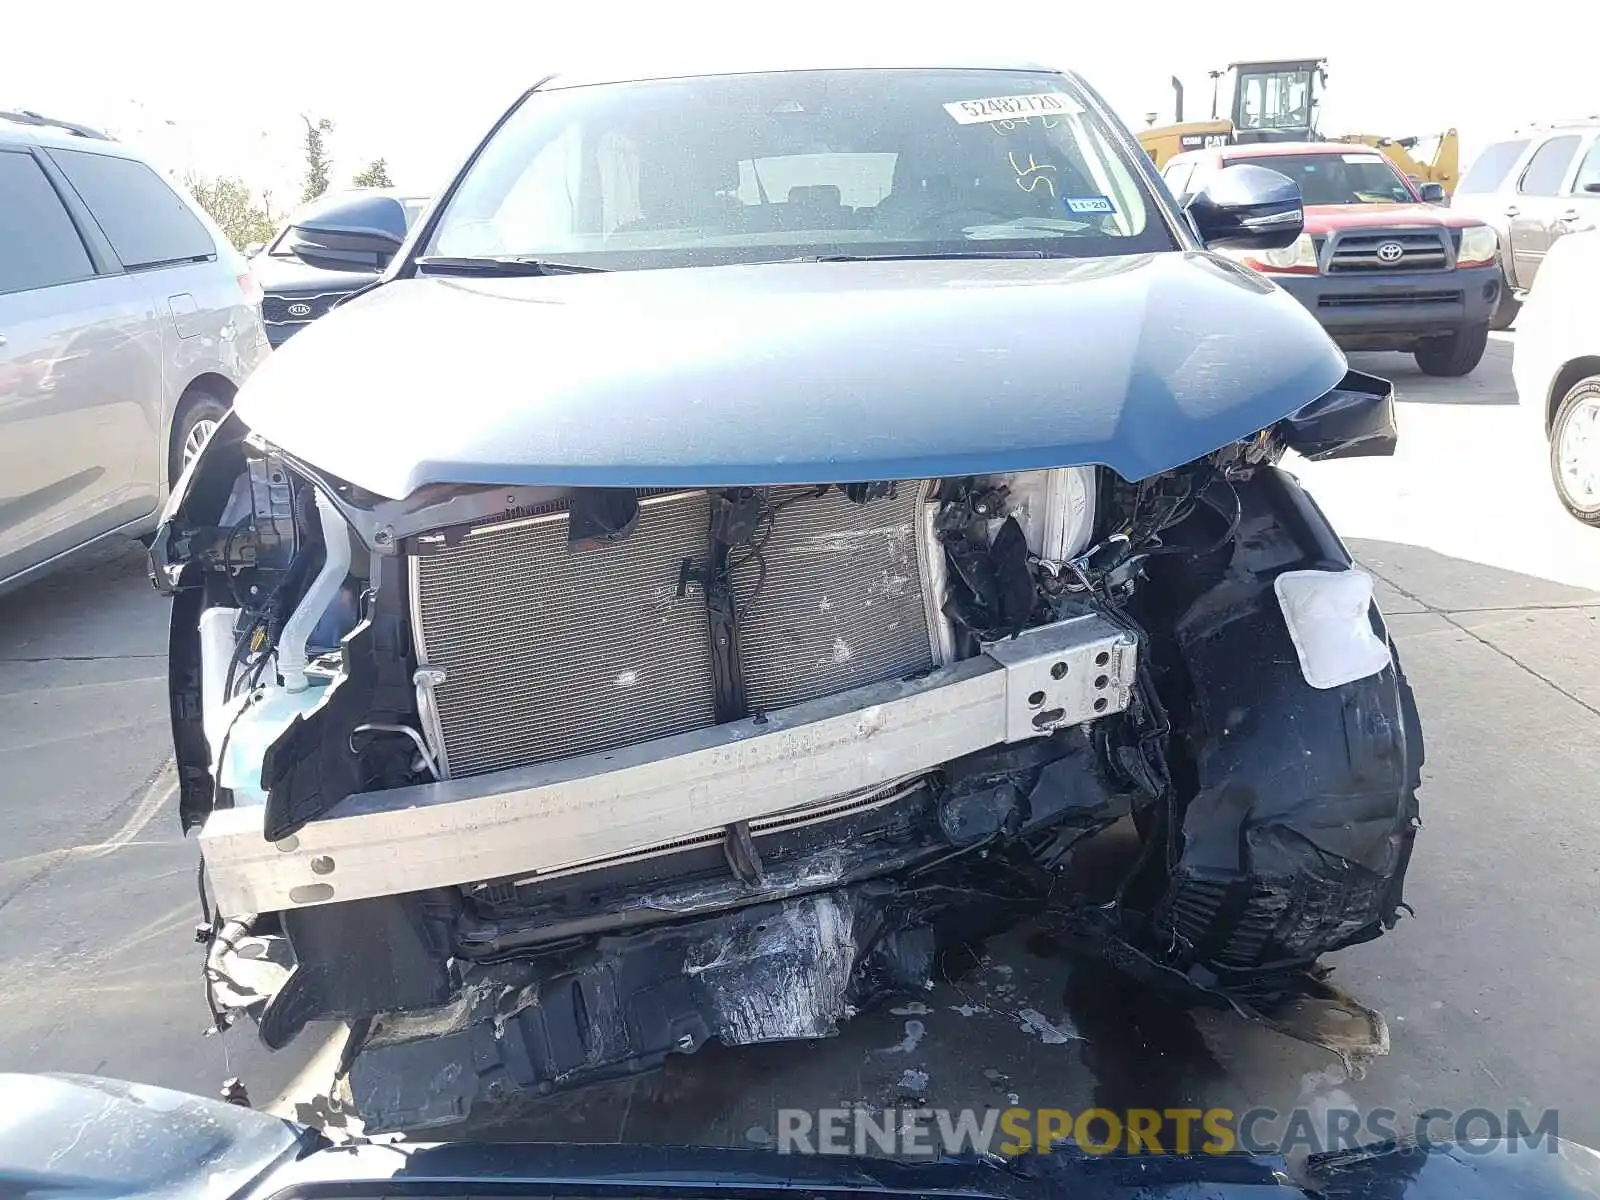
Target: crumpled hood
{"x": 791, "y": 373}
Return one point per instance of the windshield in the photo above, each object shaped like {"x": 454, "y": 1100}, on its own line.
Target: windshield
{"x": 1275, "y": 100}
{"x": 749, "y": 168}
{"x": 1340, "y": 178}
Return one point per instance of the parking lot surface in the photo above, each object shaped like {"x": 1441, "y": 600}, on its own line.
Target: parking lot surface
{"x": 1493, "y": 595}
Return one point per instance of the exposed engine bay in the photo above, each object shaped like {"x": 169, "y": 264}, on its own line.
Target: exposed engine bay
{"x": 550, "y": 783}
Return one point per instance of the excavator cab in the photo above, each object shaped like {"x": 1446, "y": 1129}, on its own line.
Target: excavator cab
{"x": 1276, "y": 101}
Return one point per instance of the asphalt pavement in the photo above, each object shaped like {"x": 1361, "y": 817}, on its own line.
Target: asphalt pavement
{"x": 1493, "y": 595}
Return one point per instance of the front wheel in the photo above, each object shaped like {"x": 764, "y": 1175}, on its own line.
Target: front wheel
{"x": 1454, "y": 354}
{"x": 1575, "y": 451}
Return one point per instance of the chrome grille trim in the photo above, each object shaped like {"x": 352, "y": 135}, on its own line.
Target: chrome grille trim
{"x": 578, "y": 652}
{"x": 1355, "y": 251}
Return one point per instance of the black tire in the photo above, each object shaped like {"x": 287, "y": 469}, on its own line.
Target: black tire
{"x": 1506, "y": 311}
{"x": 1455, "y": 354}
{"x": 1583, "y": 394}
{"x": 197, "y": 406}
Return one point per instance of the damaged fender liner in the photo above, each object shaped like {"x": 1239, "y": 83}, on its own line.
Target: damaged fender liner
{"x": 1297, "y": 838}
{"x": 769, "y": 972}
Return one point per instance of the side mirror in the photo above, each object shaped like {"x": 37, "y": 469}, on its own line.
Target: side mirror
{"x": 1432, "y": 193}
{"x": 253, "y": 249}
{"x": 359, "y": 232}
{"x": 1245, "y": 207}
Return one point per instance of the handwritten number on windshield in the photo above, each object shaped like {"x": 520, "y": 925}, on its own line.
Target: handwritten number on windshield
{"x": 1012, "y": 124}
{"x": 1029, "y": 177}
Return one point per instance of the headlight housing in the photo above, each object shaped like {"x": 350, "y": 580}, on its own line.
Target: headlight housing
{"x": 1480, "y": 245}
{"x": 1297, "y": 258}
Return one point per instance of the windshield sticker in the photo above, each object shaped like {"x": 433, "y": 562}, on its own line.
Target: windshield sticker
{"x": 1362, "y": 158}
{"x": 1088, "y": 204}
{"x": 1009, "y": 108}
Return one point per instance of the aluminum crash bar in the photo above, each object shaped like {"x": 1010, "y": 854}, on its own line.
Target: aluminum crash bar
{"x": 558, "y": 815}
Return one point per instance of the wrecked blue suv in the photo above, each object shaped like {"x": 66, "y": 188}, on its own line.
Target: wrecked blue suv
{"x": 759, "y": 524}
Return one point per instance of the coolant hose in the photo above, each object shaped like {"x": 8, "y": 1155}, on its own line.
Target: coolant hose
{"x": 292, "y": 660}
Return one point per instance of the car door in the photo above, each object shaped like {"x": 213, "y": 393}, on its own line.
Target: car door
{"x": 1580, "y": 206}
{"x": 171, "y": 257}
{"x": 1534, "y": 212}
{"x": 75, "y": 363}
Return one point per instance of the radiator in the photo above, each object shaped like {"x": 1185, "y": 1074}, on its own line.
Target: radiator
{"x": 846, "y": 600}
{"x": 547, "y": 654}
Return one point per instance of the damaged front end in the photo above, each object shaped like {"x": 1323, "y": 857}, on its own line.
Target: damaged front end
{"x": 543, "y": 784}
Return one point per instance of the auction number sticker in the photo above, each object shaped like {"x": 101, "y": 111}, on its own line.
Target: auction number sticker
{"x": 1088, "y": 204}
{"x": 1013, "y": 108}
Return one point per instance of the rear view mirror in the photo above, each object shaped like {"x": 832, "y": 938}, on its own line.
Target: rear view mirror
{"x": 1431, "y": 193}
{"x": 349, "y": 232}
{"x": 1246, "y": 207}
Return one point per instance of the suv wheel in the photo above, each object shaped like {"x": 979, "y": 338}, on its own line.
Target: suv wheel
{"x": 1575, "y": 451}
{"x": 197, "y": 419}
{"x": 1454, "y": 354}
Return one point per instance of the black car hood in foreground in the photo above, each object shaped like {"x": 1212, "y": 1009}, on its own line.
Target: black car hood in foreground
{"x": 800, "y": 372}
{"x": 70, "y": 1137}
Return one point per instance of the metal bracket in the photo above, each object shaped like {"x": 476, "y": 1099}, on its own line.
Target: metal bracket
{"x": 1065, "y": 674}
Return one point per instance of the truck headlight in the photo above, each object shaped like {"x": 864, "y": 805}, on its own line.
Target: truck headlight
{"x": 1480, "y": 245}
{"x": 1297, "y": 258}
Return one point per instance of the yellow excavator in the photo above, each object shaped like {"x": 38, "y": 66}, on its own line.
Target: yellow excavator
{"x": 1276, "y": 101}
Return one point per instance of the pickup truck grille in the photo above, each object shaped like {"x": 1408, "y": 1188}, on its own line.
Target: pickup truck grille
{"x": 549, "y": 653}
{"x": 1358, "y": 250}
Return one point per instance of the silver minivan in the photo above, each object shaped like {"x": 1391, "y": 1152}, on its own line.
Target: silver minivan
{"x": 1533, "y": 188}
{"x": 127, "y": 322}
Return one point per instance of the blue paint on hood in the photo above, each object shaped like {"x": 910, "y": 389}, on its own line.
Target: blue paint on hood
{"x": 792, "y": 373}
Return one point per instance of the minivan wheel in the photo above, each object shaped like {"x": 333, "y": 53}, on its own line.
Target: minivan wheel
{"x": 1454, "y": 354}
{"x": 197, "y": 419}
{"x": 1575, "y": 451}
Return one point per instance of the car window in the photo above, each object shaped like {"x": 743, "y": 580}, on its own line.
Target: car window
{"x": 1588, "y": 170}
{"x": 1355, "y": 178}
{"x": 1177, "y": 177}
{"x": 39, "y": 245}
{"x": 1548, "y": 166}
{"x": 746, "y": 168}
{"x": 1489, "y": 169}
{"x": 145, "y": 221}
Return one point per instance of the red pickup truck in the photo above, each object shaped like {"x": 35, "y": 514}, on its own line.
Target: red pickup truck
{"x": 1380, "y": 268}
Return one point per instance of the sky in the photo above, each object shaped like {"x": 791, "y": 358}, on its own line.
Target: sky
{"x": 221, "y": 88}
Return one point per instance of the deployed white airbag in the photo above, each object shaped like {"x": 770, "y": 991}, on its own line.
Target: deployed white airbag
{"x": 1327, "y": 615}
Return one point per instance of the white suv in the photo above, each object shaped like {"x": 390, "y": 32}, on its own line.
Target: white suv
{"x": 127, "y": 322}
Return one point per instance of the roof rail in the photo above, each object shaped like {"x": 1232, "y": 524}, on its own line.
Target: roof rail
{"x": 1560, "y": 123}
{"x": 25, "y": 116}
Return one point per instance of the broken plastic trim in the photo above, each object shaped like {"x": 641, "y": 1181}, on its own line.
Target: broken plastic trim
{"x": 1354, "y": 420}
